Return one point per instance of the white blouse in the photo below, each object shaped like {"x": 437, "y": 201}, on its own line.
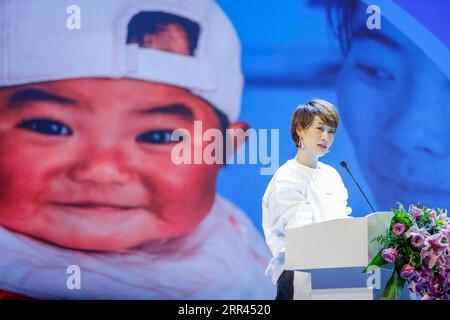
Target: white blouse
{"x": 298, "y": 195}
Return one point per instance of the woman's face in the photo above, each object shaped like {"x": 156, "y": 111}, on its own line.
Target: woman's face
{"x": 395, "y": 104}
{"x": 317, "y": 139}
{"x": 87, "y": 163}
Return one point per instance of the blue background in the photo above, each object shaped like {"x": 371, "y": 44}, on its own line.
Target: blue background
{"x": 289, "y": 56}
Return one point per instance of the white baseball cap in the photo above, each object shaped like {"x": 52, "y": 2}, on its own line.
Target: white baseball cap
{"x": 37, "y": 46}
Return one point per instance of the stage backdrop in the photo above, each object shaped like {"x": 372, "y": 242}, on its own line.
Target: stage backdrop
{"x": 393, "y": 114}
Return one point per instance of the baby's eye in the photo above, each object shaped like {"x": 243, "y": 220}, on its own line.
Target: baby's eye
{"x": 157, "y": 136}
{"x": 46, "y": 126}
{"x": 374, "y": 73}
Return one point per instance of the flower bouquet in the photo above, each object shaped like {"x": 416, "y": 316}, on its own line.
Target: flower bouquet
{"x": 417, "y": 243}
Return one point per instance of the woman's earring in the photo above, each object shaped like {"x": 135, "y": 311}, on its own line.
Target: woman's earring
{"x": 300, "y": 142}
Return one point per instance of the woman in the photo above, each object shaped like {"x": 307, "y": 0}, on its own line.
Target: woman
{"x": 303, "y": 190}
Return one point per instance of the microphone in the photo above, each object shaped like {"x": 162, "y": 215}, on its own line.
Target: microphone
{"x": 344, "y": 164}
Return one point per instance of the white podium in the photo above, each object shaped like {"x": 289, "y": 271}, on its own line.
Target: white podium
{"x": 329, "y": 257}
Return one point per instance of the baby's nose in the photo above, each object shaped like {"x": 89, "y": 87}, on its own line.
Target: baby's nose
{"x": 100, "y": 171}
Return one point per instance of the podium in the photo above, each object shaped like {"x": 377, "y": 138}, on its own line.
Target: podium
{"x": 329, "y": 258}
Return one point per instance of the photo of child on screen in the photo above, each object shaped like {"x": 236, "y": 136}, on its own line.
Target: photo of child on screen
{"x": 86, "y": 174}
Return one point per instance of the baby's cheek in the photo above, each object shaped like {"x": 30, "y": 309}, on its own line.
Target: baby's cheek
{"x": 179, "y": 213}
{"x": 180, "y": 196}
{"x": 18, "y": 196}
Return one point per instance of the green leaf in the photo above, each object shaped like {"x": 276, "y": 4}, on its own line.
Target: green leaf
{"x": 415, "y": 259}
{"x": 439, "y": 222}
{"x": 377, "y": 261}
{"x": 393, "y": 288}
{"x": 404, "y": 218}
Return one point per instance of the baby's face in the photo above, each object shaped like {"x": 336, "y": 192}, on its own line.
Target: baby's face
{"x": 86, "y": 163}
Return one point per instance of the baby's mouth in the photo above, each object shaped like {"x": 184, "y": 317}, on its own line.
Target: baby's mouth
{"x": 97, "y": 206}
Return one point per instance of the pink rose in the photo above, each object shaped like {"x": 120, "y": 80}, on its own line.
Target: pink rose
{"x": 407, "y": 272}
{"x": 417, "y": 240}
{"x": 398, "y": 228}
{"x": 389, "y": 254}
{"x": 416, "y": 212}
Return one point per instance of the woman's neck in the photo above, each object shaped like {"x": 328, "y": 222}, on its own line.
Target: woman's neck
{"x": 303, "y": 158}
